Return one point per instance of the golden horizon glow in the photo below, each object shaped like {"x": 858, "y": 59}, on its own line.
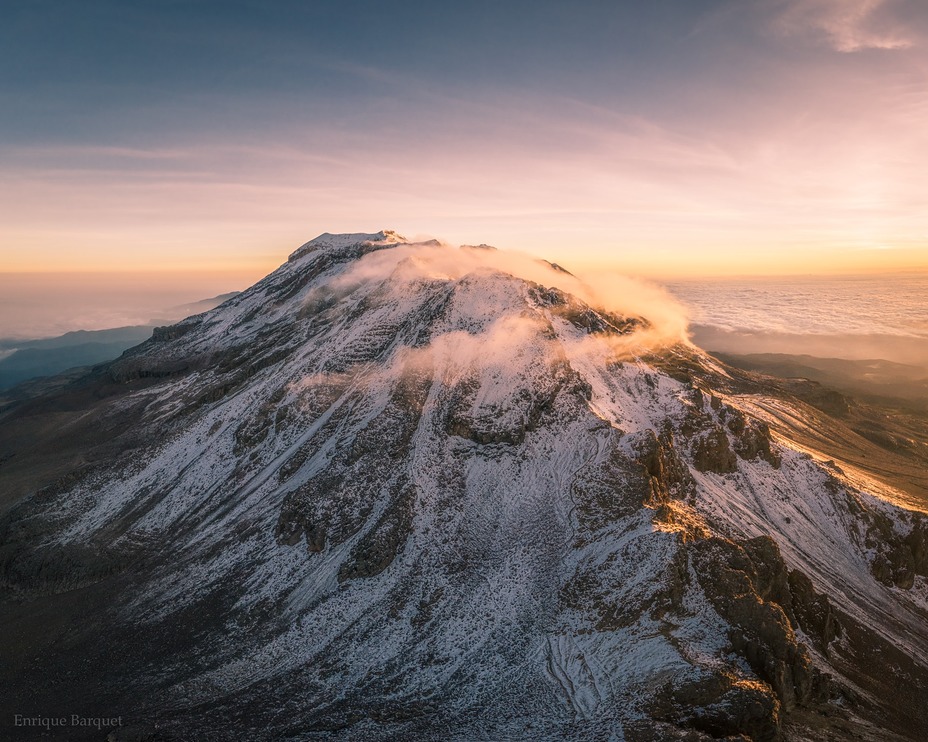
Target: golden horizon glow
{"x": 786, "y": 138}
{"x": 622, "y": 193}
{"x": 245, "y": 272}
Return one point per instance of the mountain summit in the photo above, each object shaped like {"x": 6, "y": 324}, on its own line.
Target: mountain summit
{"x": 411, "y": 491}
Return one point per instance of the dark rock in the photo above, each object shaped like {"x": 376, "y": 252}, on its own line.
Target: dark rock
{"x": 720, "y": 706}
{"x": 917, "y": 542}
{"x": 712, "y": 452}
{"x": 583, "y": 317}
{"x": 667, "y": 473}
{"x": 770, "y": 577}
{"x": 752, "y": 438}
{"x": 253, "y": 430}
{"x": 813, "y": 611}
{"x": 378, "y": 548}
{"x": 524, "y": 411}
{"x": 761, "y": 630}
{"x": 172, "y": 332}
{"x": 611, "y": 489}
{"x": 899, "y": 559}
{"x": 292, "y": 525}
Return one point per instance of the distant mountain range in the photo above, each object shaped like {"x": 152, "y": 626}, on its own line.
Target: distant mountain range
{"x": 871, "y": 379}
{"x": 21, "y": 360}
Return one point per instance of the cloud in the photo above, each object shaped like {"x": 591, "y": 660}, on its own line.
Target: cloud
{"x": 611, "y": 292}
{"x": 629, "y": 296}
{"x": 845, "y": 25}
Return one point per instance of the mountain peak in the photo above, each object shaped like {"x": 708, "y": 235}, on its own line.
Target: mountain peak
{"x": 330, "y": 241}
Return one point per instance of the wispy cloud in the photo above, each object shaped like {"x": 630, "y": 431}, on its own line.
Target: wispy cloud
{"x": 845, "y": 25}
{"x": 609, "y": 291}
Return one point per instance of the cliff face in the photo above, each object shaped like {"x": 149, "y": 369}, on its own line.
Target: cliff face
{"x": 398, "y": 491}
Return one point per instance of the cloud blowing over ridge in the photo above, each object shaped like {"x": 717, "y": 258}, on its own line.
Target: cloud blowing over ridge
{"x": 606, "y": 291}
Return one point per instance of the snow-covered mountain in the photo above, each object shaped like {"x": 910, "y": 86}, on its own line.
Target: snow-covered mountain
{"x": 419, "y": 492}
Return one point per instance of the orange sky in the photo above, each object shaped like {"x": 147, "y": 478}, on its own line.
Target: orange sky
{"x": 788, "y": 137}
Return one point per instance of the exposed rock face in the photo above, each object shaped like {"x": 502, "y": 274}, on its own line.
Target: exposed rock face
{"x": 735, "y": 579}
{"x": 713, "y": 707}
{"x": 752, "y": 438}
{"x": 668, "y": 475}
{"x": 397, "y": 492}
{"x": 813, "y": 612}
{"x": 899, "y": 558}
{"x": 712, "y": 452}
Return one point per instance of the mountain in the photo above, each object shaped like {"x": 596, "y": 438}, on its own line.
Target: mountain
{"x": 896, "y": 383}
{"x": 21, "y": 360}
{"x": 31, "y": 359}
{"x": 896, "y": 351}
{"x": 410, "y": 491}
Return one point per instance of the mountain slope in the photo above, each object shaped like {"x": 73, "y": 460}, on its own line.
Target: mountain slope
{"x": 412, "y": 491}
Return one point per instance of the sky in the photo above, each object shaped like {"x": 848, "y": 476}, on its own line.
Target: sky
{"x": 665, "y": 138}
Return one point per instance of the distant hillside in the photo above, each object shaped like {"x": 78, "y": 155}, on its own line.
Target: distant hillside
{"x": 30, "y": 359}
{"x": 877, "y": 378}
